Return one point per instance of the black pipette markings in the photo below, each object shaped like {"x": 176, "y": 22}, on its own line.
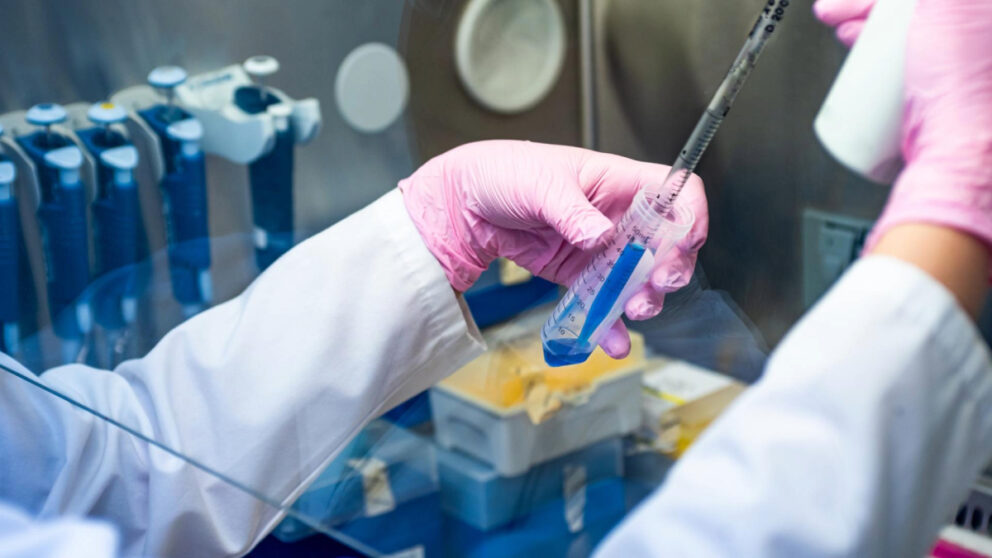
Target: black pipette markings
{"x": 720, "y": 104}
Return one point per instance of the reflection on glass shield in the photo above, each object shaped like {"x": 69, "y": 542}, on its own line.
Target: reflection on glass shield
{"x": 44, "y": 391}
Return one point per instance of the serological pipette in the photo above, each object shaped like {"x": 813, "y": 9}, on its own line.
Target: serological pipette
{"x": 652, "y": 225}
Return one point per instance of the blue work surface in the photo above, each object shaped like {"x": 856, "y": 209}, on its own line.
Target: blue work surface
{"x": 310, "y": 547}
{"x": 545, "y": 531}
{"x": 422, "y": 528}
{"x": 474, "y": 493}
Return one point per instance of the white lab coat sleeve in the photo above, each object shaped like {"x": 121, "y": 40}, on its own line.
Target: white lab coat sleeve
{"x": 22, "y": 536}
{"x": 872, "y": 420}
{"x": 265, "y": 389}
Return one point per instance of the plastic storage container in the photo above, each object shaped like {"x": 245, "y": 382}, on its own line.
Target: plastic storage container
{"x": 546, "y": 531}
{"x": 508, "y": 409}
{"x": 382, "y": 468}
{"x": 476, "y": 494}
{"x": 511, "y": 443}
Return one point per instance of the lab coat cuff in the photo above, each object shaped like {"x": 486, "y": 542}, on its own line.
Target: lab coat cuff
{"x": 886, "y": 292}
{"x": 447, "y": 310}
{"x": 909, "y": 292}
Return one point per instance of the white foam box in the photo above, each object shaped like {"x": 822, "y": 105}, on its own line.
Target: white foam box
{"x": 511, "y": 443}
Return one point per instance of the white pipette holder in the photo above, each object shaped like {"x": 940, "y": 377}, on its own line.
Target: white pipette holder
{"x": 229, "y": 131}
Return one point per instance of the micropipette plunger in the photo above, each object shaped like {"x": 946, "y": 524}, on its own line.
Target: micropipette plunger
{"x": 651, "y": 226}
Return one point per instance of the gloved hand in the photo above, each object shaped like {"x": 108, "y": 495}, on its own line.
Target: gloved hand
{"x": 548, "y": 208}
{"x": 846, "y": 16}
{"x": 947, "y": 122}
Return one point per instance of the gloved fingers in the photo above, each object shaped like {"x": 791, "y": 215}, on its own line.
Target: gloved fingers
{"x": 646, "y": 303}
{"x": 611, "y": 181}
{"x": 673, "y": 271}
{"x": 534, "y": 252}
{"x": 849, "y": 31}
{"x": 616, "y": 342}
{"x": 575, "y": 218}
{"x": 836, "y": 12}
{"x": 670, "y": 274}
{"x": 674, "y": 268}
{"x": 564, "y": 267}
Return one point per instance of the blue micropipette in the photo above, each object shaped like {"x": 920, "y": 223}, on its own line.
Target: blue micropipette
{"x": 10, "y": 238}
{"x": 117, "y": 225}
{"x": 270, "y": 175}
{"x": 596, "y": 299}
{"x": 184, "y": 192}
{"x": 62, "y": 215}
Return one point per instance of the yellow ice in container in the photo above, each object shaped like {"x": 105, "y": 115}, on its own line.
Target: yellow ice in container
{"x": 506, "y": 374}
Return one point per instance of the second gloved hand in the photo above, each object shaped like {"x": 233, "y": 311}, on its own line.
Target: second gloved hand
{"x": 947, "y": 122}
{"x": 549, "y": 209}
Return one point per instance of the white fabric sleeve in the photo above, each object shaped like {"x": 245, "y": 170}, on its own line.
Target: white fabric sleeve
{"x": 265, "y": 388}
{"x": 21, "y": 536}
{"x": 871, "y": 422}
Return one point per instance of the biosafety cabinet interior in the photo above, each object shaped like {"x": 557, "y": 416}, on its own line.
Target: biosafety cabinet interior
{"x": 635, "y": 72}
{"x": 157, "y": 157}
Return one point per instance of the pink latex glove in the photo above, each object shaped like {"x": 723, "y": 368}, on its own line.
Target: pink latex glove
{"x": 548, "y": 208}
{"x": 947, "y": 122}
{"x": 846, "y": 16}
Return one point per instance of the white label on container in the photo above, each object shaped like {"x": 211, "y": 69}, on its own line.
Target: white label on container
{"x": 681, "y": 382}
{"x": 379, "y": 497}
{"x": 574, "y": 481}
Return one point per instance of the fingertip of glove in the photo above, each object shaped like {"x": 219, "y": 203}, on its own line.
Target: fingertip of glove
{"x": 849, "y": 31}
{"x": 825, "y": 11}
{"x": 641, "y": 306}
{"x": 617, "y": 345}
{"x": 669, "y": 276}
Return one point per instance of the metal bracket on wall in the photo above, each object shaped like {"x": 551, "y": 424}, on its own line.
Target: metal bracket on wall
{"x": 831, "y": 242}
